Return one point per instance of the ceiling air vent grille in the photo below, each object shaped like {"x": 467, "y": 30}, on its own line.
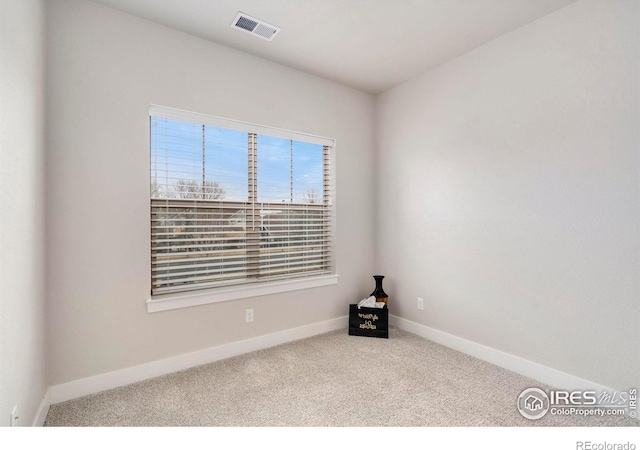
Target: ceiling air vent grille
{"x": 255, "y": 26}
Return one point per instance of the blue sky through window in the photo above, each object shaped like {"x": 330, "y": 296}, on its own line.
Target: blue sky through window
{"x": 288, "y": 171}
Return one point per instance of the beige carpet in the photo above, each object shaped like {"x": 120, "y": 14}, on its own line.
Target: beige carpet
{"x": 327, "y": 380}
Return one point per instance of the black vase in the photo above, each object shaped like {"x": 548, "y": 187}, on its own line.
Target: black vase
{"x": 379, "y": 293}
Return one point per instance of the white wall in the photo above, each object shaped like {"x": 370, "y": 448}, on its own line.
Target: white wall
{"x": 508, "y": 193}
{"x": 104, "y": 69}
{"x": 22, "y": 347}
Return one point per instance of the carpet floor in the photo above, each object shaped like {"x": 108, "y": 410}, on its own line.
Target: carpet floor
{"x": 329, "y": 380}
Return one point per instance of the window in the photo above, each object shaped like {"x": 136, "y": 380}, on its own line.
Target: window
{"x": 236, "y": 205}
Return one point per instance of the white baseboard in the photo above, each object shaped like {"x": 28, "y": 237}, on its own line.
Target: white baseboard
{"x": 110, "y": 380}
{"x": 43, "y": 410}
{"x": 535, "y": 371}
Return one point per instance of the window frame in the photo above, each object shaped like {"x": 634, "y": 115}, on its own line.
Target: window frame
{"x": 168, "y": 301}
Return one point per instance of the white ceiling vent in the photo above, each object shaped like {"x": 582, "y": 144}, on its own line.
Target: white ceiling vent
{"x": 255, "y": 26}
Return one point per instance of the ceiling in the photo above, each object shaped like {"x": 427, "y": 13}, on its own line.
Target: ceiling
{"x": 371, "y": 45}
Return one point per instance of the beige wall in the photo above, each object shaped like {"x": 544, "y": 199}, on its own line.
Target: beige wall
{"x": 23, "y": 379}
{"x": 104, "y": 69}
{"x": 508, "y": 193}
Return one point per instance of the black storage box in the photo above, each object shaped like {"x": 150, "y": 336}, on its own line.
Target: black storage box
{"x": 371, "y": 322}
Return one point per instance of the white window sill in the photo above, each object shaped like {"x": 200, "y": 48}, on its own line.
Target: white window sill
{"x": 185, "y": 300}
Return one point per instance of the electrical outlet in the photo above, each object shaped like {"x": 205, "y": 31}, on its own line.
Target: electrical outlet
{"x": 420, "y": 303}
{"x": 249, "y": 315}
{"x": 13, "y": 418}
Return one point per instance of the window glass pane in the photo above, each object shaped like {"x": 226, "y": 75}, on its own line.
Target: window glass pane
{"x": 289, "y": 171}
{"x": 192, "y": 161}
{"x": 227, "y": 162}
{"x": 274, "y": 170}
{"x": 307, "y": 172}
{"x": 176, "y": 158}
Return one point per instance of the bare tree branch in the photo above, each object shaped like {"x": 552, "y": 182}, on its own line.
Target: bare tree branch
{"x": 193, "y": 189}
{"x": 311, "y": 196}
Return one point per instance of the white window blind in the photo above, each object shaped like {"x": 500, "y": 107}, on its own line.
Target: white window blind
{"x": 235, "y": 203}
